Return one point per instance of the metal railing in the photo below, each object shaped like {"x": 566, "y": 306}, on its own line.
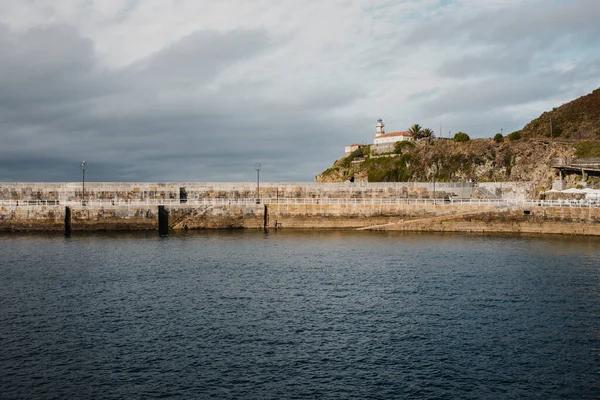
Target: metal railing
{"x": 301, "y": 201}
{"x": 593, "y": 163}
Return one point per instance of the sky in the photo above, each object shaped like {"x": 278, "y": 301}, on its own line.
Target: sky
{"x": 201, "y": 90}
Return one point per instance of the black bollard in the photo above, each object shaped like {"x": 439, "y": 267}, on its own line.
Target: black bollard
{"x": 163, "y": 221}
{"x": 266, "y": 218}
{"x": 67, "y": 221}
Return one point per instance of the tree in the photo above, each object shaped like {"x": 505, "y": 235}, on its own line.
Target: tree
{"x": 415, "y": 131}
{"x": 498, "y": 138}
{"x": 461, "y": 137}
{"x": 427, "y": 134}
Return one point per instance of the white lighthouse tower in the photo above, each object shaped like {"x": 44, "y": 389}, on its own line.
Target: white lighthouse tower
{"x": 379, "y": 128}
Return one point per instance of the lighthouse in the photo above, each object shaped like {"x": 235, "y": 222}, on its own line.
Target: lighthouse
{"x": 379, "y": 128}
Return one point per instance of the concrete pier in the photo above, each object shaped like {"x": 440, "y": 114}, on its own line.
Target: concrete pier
{"x": 404, "y": 206}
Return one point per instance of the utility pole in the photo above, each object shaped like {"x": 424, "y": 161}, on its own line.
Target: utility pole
{"x": 440, "y": 130}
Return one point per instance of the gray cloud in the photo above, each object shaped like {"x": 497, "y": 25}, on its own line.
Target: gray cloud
{"x": 157, "y": 119}
{"x": 146, "y": 93}
{"x": 539, "y": 22}
{"x": 509, "y": 57}
{"x": 492, "y": 93}
{"x": 489, "y": 63}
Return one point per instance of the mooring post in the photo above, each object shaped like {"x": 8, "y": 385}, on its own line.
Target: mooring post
{"x": 266, "y": 218}
{"x": 67, "y": 221}
{"x": 163, "y": 221}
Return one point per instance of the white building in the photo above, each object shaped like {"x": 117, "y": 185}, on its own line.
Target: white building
{"x": 351, "y": 147}
{"x": 383, "y": 138}
{"x": 382, "y": 142}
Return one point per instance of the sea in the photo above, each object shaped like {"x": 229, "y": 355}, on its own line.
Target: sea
{"x": 299, "y": 315}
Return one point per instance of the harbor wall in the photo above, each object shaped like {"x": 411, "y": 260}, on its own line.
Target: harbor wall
{"x": 182, "y": 191}
{"x": 409, "y": 217}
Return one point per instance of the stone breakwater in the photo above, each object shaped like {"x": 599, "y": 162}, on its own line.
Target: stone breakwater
{"x": 408, "y": 217}
{"x": 65, "y": 207}
{"x": 186, "y": 191}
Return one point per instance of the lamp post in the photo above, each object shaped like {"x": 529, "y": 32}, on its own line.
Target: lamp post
{"x": 257, "y": 167}
{"x": 83, "y": 182}
{"x": 434, "y": 176}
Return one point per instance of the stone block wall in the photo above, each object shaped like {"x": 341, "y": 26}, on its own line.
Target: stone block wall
{"x": 216, "y": 217}
{"x": 175, "y": 191}
{"x": 114, "y": 218}
{"x": 399, "y": 216}
{"x": 41, "y": 218}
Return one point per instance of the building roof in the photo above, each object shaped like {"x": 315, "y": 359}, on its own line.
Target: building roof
{"x": 403, "y": 133}
{"x": 356, "y": 144}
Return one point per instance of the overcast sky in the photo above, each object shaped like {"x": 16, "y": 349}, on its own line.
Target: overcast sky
{"x": 201, "y": 90}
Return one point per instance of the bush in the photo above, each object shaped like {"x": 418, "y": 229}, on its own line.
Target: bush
{"x": 461, "y": 137}
{"x": 588, "y": 149}
{"x": 498, "y": 138}
{"x": 516, "y": 135}
{"x": 400, "y": 146}
{"x": 360, "y": 152}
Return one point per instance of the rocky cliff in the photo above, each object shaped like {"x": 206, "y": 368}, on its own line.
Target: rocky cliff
{"x": 445, "y": 161}
{"x": 524, "y": 155}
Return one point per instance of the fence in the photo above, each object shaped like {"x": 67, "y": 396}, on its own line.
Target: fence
{"x": 299, "y": 201}
{"x": 585, "y": 163}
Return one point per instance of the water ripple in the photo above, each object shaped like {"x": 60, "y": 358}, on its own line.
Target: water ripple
{"x": 299, "y": 315}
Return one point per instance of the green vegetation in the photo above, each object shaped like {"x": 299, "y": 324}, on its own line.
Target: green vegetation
{"x": 461, "y": 137}
{"x": 360, "y": 152}
{"x": 588, "y": 149}
{"x": 415, "y": 131}
{"x": 516, "y": 135}
{"x": 403, "y": 145}
{"x": 419, "y": 133}
{"x": 498, "y": 138}
{"x": 427, "y": 134}
{"x": 390, "y": 169}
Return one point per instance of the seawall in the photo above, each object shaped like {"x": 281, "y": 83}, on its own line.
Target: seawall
{"x": 188, "y": 191}
{"x": 399, "y": 216}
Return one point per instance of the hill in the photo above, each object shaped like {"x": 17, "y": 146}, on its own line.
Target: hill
{"x": 525, "y": 155}
{"x": 445, "y": 161}
{"x": 576, "y": 120}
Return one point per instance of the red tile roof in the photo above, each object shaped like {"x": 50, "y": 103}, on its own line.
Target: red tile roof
{"x": 403, "y": 133}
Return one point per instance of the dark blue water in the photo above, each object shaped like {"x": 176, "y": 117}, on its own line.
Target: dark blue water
{"x": 328, "y": 315}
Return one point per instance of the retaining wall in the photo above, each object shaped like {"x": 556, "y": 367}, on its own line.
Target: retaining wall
{"x": 310, "y": 216}
{"x": 73, "y": 191}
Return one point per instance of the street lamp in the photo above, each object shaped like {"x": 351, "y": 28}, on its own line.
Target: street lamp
{"x": 83, "y": 182}
{"x": 435, "y": 169}
{"x": 257, "y": 167}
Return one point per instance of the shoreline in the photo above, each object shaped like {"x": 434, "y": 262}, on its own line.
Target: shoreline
{"x": 343, "y": 217}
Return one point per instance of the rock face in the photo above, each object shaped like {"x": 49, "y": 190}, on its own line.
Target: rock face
{"x": 445, "y": 161}
{"x": 571, "y": 130}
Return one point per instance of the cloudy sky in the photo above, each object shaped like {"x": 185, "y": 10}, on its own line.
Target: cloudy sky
{"x": 201, "y": 90}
